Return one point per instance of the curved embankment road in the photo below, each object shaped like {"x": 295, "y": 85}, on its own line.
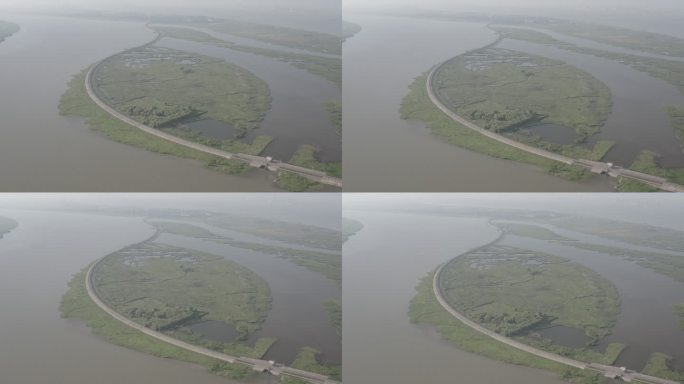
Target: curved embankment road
{"x": 594, "y": 166}
{"x": 256, "y": 364}
{"x": 254, "y": 161}
{"x": 607, "y": 370}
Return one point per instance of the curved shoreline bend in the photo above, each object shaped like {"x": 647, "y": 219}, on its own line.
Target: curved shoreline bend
{"x": 253, "y": 160}
{"x": 597, "y": 167}
{"x": 607, "y": 370}
{"x": 256, "y": 364}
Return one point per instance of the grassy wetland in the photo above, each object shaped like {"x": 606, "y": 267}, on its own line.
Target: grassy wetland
{"x": 503, "y": 90}
{"x": 661, "y": 67}
{"x": 582, "y": 307}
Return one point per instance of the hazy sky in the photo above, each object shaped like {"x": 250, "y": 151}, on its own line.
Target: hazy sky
{"x": 319, "y": 15}
{"x": 651, "y": 208}
{"x": 323, "y": 209}
{"x": 661, "y": 15}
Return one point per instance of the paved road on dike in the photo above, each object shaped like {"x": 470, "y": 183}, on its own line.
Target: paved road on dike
{"x": 252, "y": 160}
{"x": 594, "y": 166}
{"x": 607, "y": 370}
{"x": 256, "y": 364}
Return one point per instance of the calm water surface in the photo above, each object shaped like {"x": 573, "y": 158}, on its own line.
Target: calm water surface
{"x": 386, "y": 153}
{"x": 37, "y": 260}
{"x": 43, "y": 151}
{"x": 384, "y": 262}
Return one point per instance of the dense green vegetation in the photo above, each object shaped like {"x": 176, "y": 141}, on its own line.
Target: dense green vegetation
{"x": 160, "y": 86}
{"x": 287, "y": 37}
{"x": 76, "y": 304}
{"x": 620, "y": 37}
{"x": 326, "y": 263}
{"x": 165, "y": 287}
{"x": 670, "y": 71}
{"x": 306, "y": 360}
{"x": 493, "y": 286}
{"x": 417, "y": 106}
{"x": 334, "y": 109}
{"x": 663, "y": 263}
{"x": 6, "y": 225}
{"x": 326, "y": 67}
{"x": 334, "y": 308}
{"x": 305, "y": 156}
{"x": 7, "y": 29}
{"x": 75, "y": 102}
{"x": 676, "y": 115}
{"x": 658, "y": 366}
{"x": 425, "y": 309}
{"x": 503, "y": 91}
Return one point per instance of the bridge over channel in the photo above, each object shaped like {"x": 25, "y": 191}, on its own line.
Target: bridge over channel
{"x": 264, "y": 366}
{"x": 617, "y": 373}
{"x": 594, "y": 166}
{"x": 255, "y": 161}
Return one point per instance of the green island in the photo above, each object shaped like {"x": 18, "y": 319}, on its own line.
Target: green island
{"x": 334, "y": 308}
{"x": 327, "y": 67}
{"x": 493, "y": 286}
{"x": 6, "y": 225}
{"x": 76, "y": 102}
{"x": 7, "y": 29}
{"x": 326, "y": 263}
{"x": 418, "y": 106}
{"x": 507, "y": 91}
{"x": 305, "y": 156}
{"x": 670, "y": 71}
{"x": 659, "y": 366}
{"x": 306, "y": 360}
{"x": 425, "y": 309}
{"x": 161, "y": 87}
{"x": 185, "y": 290}
{"x": 166, "y": 288}
{"x": 287, "y": 37}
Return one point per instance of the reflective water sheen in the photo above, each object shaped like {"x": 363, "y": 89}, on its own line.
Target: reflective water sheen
{"x": 43, "y": 151}
{"x": 37, "y": 260}
{"x": 382, "y": 265}
{"x": 385, "y": 153}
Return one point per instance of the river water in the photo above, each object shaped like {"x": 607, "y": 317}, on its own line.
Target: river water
{"x": 37, "y": 260}
{"x": 43, "y": 151}
{"x": 386, "y": 153}
{"x": 382, "y": 265}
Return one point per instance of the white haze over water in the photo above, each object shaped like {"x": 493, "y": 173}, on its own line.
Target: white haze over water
{"x": 664, "y": 16}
